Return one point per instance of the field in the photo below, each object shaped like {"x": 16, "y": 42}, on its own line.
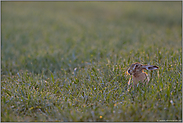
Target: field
{"x": 67, "y": 61}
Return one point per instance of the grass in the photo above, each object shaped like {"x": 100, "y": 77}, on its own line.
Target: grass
{"x": 67, "y": 61}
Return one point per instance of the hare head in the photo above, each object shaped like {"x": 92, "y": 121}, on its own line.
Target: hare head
{"x": 137, "y": 68}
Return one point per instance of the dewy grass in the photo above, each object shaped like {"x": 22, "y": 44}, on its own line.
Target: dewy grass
{"x": 67, "y": 61}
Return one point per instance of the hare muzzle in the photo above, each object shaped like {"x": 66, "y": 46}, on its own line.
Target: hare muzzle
{"x": 129, "y": 72}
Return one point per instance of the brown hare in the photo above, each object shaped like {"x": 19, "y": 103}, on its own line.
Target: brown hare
{"x": 136, "y": 70}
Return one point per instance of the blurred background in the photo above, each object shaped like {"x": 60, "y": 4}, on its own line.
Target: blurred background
{"x": 57, "y": 32}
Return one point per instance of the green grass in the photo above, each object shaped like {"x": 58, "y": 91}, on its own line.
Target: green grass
{"x": 67, "y": 61}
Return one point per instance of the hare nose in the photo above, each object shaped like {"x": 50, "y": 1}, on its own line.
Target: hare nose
{"x": 129, "y": 71}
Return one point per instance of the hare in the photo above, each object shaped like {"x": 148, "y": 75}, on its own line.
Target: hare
{"x": 136, "y": 70}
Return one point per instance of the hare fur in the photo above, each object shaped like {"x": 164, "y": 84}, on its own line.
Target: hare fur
{"x": 136, "y": 70}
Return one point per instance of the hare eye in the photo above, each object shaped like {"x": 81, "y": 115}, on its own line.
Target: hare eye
{"x": 138, "y": 66}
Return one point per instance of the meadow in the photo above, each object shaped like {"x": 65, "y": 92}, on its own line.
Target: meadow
{"x": 67, "y": 61}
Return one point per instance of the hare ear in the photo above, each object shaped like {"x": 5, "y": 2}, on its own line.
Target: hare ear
{"x": 150, "y": 67}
